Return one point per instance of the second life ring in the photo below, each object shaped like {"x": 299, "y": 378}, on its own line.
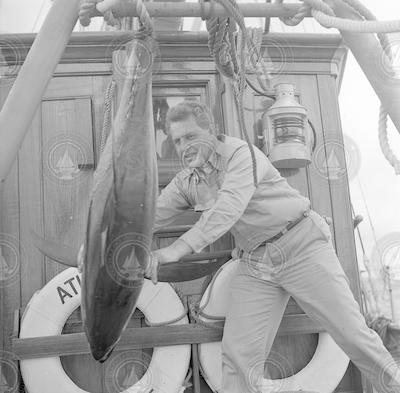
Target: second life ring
{"x": 49, "y": 309}
{"x": 322, "y": 374}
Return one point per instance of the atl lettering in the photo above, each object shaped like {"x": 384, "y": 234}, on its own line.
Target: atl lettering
{"x": 70, "y": 290}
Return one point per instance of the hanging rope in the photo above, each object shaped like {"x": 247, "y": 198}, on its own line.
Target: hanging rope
{"x": 110, "y": 19}
{"x": 326, "y": 17}
{"x": 107, "y": 119}
{"x": 223, "y": 48}
{"x": 86, "y": 9}
{"x": 296, "y": 19}
{"x": 384, "y": 141}
{"x": 144, "y": 17}
{"x": 255, "y": 62}
{"x": 88, "y": 6}
{"x": 174, "y": 320}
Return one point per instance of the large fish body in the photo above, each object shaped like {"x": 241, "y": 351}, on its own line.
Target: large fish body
{"x": 121, "y": 216}
{"x": 121, "y": 213}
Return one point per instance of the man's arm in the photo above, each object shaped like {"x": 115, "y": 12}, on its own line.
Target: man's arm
{"x": 233, "y": 198}
{"x": 171, "y": 202}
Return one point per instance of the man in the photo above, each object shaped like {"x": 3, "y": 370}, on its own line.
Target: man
{"x": 284, "y": 247}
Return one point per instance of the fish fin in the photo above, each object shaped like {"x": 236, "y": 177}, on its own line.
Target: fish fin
{"x": 58, "y": 252}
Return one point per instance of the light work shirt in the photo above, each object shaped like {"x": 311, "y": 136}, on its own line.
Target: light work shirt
{"x": 224, "y": 192}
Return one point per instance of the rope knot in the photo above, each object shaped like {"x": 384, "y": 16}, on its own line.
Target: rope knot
{"x": 86, "y": 9}
{"x": 294, "y": 20}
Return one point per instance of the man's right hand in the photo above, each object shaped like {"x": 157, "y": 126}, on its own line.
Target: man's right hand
{"x": 152, "y": 268}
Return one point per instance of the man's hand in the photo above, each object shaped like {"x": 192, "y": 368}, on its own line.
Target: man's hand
{"x": 172, "y": 253}
{"x": 162, "y": 255}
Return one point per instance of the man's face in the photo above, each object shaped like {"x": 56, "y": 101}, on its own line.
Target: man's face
{"x": 193, "y": 144}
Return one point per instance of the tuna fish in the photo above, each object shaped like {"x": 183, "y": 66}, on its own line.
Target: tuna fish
{"x": 121, "y": 217}
{"x": 121, "y": 212}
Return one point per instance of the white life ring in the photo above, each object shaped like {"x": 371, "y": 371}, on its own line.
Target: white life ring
{"x": 322, "y": 374}
{"x": 48, "y": 311}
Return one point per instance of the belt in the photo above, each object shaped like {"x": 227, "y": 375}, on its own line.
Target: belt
{"x": 287, "y": 228}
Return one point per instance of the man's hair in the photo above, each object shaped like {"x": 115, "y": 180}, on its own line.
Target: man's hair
{"x": 182, "y": 111}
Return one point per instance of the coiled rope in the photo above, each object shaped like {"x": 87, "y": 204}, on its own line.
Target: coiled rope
{"x": 324, "y": 14}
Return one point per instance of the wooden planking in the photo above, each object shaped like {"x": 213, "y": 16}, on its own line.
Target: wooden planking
{"x": 339, "y": 188}
{"x": 317, "y": 185}
{"x": 30, "y": 180}
{"x": 67, "y": 134}
{"x": 65, "y": 201}
{"x": 11, "y": 253}
{"x": 69, "y": 87}
{"x": 33, "y": 176}
{"x": 340, "y": 200}
{"x": 76, "y": 343}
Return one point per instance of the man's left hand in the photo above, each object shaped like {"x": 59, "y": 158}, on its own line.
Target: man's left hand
{"x": 172, "y": 253}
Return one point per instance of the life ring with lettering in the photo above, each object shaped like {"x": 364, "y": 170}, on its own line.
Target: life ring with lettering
{"x": 49, "y": 309}
{"x": 322, "y": 374}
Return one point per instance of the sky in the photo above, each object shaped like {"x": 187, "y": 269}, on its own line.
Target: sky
{"x": 375, "y": 189}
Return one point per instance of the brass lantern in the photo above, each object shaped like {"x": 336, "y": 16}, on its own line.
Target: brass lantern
{"x": 286, "y": 127}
